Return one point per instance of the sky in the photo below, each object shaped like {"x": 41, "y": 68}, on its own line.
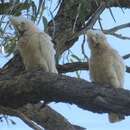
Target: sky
{"x": 76, "y": 115}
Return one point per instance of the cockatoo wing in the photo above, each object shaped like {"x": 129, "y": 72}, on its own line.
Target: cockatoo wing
{"x": 48, "y": 51}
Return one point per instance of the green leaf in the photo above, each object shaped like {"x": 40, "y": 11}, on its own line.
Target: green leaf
{"x": 10, "y": 45}
{"x": 34, "y": 11}
{"x": 45, "y": 22}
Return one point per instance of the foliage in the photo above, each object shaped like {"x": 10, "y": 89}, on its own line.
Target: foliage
{"x": 33, "y": 11}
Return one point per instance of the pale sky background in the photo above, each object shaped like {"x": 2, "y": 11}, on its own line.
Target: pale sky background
{"x": 84, "y": 118}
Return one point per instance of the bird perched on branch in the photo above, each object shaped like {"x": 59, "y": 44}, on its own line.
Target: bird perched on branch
{"x": 35, "y": 47}
{"x": 105, "y": 65}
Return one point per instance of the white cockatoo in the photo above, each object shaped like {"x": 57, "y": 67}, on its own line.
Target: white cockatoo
{"x": 106, "y": 65}
{"x": 35, "y": 47}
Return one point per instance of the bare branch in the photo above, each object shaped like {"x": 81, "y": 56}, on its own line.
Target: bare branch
{"x": 15, "y": 67}
{"x": 78, "y": 12}
{"x": 95, "y": 16}
{"x": 121, "y": 36}
{"x": 83, "y": 48}
{"x": 46, "y": 116}
{"x": 113, "y": 31}
{"x": 71, "y": 67}
{"x": 14, "y": 112}
{"x": 112, "y": 14}
{"x": 29, "y": 122}
{"x": 100, "y": 24}
{"x": 117, "y": 28}
{"x": 37, "y": 85}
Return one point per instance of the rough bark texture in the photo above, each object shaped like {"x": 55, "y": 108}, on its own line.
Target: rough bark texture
{"x": 42, "y": 116}
{"x": 64, "y": 36}
{"x": 32, "y": 87}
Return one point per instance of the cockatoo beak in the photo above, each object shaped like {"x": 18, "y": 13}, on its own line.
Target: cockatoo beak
{"x": 90, "y": 33}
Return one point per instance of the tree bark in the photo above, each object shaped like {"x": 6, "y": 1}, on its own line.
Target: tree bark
{"x": 34, "y": 86}
{"x": 63, "y": 32}
{"x": 45, "y": 117}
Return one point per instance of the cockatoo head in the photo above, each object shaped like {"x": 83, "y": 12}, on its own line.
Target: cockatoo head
{"x": 96, "y": 39}
{"x": 22, "y": 24}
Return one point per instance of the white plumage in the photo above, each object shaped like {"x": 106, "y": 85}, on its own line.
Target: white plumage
{"x": 106, "y": 65}
{"x": 35, "y": 47}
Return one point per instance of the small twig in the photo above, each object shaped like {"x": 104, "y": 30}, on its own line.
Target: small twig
{"x": 114, "y": 29}
{"x": 59, "y": 2}
{"x": 78, "y": 12}
{"x": 75, "y": 66}
{"x": 50, "y": 4}
{"x": 100, "y": 24}
{"x": 120, "y": 36}
{"x": 119, "y": 6}
{"x": 112, "y": 14}
{"x": 95, "y": 16}
{"x": 6, "y": 119}
{"x": 82, "y": 48}
{"x": 54, "y": 25}
{"x": 97, "y": 3}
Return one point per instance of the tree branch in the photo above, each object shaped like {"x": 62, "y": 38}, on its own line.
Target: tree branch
{"x": 112, "y": 31}
{"x": 64, "y": 36}
{"x": 15, "y": 67}
{"x": 119, "y": 3}
{"x": 117, "y": 28}
{"x": 65, "y": 24}
{"x": 35, "y": 86}
{"x": 71, "y": 67}
{"x": 42, "y": 116}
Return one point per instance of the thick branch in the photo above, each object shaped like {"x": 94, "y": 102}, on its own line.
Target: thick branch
{"x": 35, "y": 86}
{"x": 42, "y": 116}
{"x": 15, "y": 67}
{"x": 71, "y": 67}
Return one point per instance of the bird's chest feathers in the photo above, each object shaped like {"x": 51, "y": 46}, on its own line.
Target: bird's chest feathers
{"x": 29, "y": 48}
{"x": 100, "y": 66}
{"x": 27, "y": 44}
